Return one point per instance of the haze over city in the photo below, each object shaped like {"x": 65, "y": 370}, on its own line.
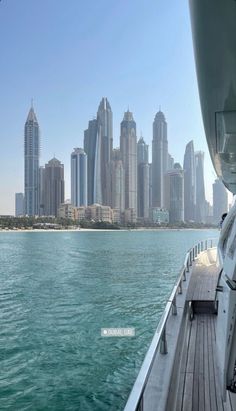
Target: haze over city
{"x": 124, "y": 51}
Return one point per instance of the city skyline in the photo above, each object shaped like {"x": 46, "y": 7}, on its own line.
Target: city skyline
{"x": 72, "y": 66}
{"x": 123, "y": 176}
{"x": 32, "y": 131}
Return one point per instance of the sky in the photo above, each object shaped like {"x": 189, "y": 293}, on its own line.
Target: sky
{"x": 67, "y": 55}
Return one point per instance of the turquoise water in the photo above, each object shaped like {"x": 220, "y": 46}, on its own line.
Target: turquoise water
{"x": 58, "y": 289}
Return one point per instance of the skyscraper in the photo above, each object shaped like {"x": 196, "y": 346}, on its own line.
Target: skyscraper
{"x": 200, "y": 215}
{"x": 98, "y": 142}
{"x": 159, "y": 158}
{"x": 53, "y": 187}
{"x": 31, "y": 164}
{"x": 189, "y": 183}
{"x": 220, "y": 200}
{"x": 142, "y": 151}
{"x": 175, "y": 184}
{"x": 116, "y": 182}
{"x": 79, "y": 186}
{"x": 128, "y": 148}
{"x": 41, "y": 190}
{"x": 105, "y": 126}
{"x": 143, "y": 179}
{"x": 92, "y": 147}
{"x": 19, "y": 204}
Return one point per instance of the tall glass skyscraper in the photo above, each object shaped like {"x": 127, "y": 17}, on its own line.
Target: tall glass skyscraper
{"x": 19, "y": 204}
{"x": 128, "y": 148}
{"x": 159, "y": 158}
{"x": 143, "y": 179}
{"x": 189, "y": 183}
{"x": 31, "y": 166}
{"x": 175, "y": 184}
{"x": 116, "y": 189}
{"x": 105, "y": 127}
{"x": 98, "y": 144}
{"x": 53, "y": 187}
{"x": 79, "y": 178}
{"x": 91, "y": 144}
{"x": 200, "y": 188}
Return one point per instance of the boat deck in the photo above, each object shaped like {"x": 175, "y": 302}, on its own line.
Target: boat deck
{"x": 199, "y": 385}
{"x": 204, "y": 279}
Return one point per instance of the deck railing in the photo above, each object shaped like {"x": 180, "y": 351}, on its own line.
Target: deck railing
{"x": 159, "y": 342}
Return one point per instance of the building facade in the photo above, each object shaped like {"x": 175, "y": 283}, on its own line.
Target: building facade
{"x": 116, "y": 185}
{"x": 91, "y": 148}
{"x": 31, "y": 164}
{"x": 67, "y": 211}
{"x": 19, "y": 204}
{"x": 200, "y": 214}
{"x": 158, "y": 215}
{"x": 105, "y": 126}
{"x": 189, "y": 183}
{"x": 175, "y": 185}
{"x": 53, "y": 187}
{"x": 159, "y": 159}
{"x": 143, "y": 179}
{"x": 79, "y": 186}
{"x": 128, "y": 148}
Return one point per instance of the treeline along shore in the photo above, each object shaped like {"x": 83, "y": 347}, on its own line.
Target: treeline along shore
{"x": 46, "y": 223}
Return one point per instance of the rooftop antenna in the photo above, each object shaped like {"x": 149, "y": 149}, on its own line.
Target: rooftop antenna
{"x": 32, "y": 103}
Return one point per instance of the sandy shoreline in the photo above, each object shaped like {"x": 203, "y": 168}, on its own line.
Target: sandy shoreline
{"x": 51, "y": 230}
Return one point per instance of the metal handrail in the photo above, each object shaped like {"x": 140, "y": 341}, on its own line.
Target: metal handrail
{"x": 159, "y": 341}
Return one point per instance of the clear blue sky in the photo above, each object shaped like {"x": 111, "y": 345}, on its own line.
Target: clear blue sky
{"x": 68, "y": 54}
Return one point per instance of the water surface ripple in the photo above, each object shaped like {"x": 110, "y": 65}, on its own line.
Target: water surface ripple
{"x": 58, "y": 289}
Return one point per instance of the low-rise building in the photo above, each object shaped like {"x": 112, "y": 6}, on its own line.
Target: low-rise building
{"x": 67, "y": 210}
{"x": 158, "y": 215}
{"x": 97, "y": 212}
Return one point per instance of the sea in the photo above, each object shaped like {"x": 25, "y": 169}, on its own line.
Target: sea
{"x": 58, "y": 290}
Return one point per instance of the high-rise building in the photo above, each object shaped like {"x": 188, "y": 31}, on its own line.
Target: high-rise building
{"x": 54, "y": 187}
{"x": 143, "y": 179}
{"x": 174, "y": 198}
{"x": 98, "y": 142}
{"x": 92, "y": 147}
{"x": 105, "y": 126}
{"x": 41, "y": 190}
{"x": 142, "y": 152}
{"x": 150, "y": 184}
{"x": 31, "y": 164}
{"x": 189, "y": 183}
{"x": 79, "y": 187}
{"x": 116, "y": 182}
{"x": 159, "y": 159}
{"x": 220, "y": 200}
{"x": 200, "y": 215}
{"x": 128, "y": 148}
{"x": 171, "y": 162}
{"x": 19, "y": 204}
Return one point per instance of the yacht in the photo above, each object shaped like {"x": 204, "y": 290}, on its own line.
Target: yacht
{"x": 191, "y": 362}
